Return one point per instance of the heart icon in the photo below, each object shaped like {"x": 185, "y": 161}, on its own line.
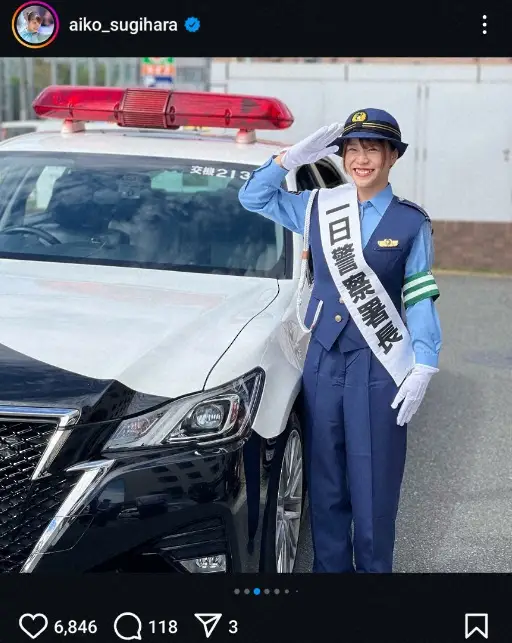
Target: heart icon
{"x": 31, "y": 618}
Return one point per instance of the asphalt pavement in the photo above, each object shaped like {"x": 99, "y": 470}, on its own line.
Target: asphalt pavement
{"x": 456, "y": 504}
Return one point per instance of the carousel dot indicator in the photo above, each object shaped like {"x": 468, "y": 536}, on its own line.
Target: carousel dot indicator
{"x": 256, "y": 591}
{"x": 267, "y": 591}
{"x": 247, "y": 591}
{"x": 286, "y": 591}
{"x": 237, "y": 591}
{"x": 276, "y": 591}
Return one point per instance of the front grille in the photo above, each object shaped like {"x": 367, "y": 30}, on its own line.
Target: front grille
{"x": 26, "y": 507}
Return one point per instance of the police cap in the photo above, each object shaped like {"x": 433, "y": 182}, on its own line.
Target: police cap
{"x": 372, "y": 123}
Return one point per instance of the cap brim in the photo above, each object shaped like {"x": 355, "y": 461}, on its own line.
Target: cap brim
{"x": 400, "y": 146}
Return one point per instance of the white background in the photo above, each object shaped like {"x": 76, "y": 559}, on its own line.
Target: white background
{"x": 457, "y": 120}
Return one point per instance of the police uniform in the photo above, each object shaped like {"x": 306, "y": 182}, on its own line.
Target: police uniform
{"x": 355, "y": 451}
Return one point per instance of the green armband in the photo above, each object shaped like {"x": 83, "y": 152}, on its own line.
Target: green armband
{"x": 420, "y": 286}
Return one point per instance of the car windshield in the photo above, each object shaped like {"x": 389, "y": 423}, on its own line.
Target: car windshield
{"x": 144, "y": 212}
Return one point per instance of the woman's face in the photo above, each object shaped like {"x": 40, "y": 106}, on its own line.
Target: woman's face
{"x": 33, "y": 26}
{"x": 368, "y": 162}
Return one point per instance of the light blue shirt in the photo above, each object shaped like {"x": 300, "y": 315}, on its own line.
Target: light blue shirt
{"x": 262, "y": 193}
{"x": 33, "y": 36}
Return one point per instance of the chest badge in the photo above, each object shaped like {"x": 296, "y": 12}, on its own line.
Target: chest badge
{"x": 388, "y": 243}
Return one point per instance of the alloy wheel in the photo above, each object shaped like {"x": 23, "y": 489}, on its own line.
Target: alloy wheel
{"x": 289, "y": 504}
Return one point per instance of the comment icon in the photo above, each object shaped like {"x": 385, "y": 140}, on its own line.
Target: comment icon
{"x": 128, "y": 627}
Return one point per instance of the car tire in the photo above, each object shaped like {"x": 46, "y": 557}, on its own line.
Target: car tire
{"x": 280, "y": 518}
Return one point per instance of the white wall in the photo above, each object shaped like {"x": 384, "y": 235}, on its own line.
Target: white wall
{"x": 457, "y": 120}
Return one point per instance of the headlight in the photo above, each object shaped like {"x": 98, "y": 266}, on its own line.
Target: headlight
{"x": 211, "y": 417}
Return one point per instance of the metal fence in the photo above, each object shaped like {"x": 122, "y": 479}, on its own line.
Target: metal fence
{"x": 21, "y": 79}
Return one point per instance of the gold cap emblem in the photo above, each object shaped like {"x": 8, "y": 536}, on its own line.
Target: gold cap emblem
{"x": 388, "y": 243}
{"x": 359, "y": 117}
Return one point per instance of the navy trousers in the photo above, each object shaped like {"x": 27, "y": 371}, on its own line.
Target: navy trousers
{"x": 355, "y": 459}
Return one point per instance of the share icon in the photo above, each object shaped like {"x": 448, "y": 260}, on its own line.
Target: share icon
{"x": 209, "y": 622}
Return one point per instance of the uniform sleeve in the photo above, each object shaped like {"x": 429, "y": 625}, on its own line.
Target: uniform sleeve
{"x": 419, "y": 294}
{"x": 262, "y": 193}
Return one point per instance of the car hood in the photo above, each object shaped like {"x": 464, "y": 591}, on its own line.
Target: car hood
{"x": 157, "y": 332}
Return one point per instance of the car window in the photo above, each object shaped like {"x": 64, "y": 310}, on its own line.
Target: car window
{"x": 135, "y": 211}
{"x": 330, "y": 177}
{"x": 306, "y": 180}
{"x": 40, "y": 196}
{"x": 199, "y": 179}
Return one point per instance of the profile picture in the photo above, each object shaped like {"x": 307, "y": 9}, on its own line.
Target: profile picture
{"x": 35, "y": 25}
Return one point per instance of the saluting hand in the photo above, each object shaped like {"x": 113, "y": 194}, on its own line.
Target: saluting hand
{"x": 312, "y": 148}
{"x": 412, "y": 392}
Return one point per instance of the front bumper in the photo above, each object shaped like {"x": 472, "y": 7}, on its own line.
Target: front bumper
{"x": 157, "y": 511}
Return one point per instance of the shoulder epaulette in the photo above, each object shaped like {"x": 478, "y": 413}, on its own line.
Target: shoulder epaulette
{"x": 415, "y": 206}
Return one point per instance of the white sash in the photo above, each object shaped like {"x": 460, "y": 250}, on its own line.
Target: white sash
{"x": 363, "y": 294}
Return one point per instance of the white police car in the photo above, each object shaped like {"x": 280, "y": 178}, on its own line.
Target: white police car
{"x": 149, "y": 344}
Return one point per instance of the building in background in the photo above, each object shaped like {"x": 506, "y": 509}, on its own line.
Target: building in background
{"x": 382, "y": 61}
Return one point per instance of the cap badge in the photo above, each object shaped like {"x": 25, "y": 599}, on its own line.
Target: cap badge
{"x": 359, "y": 117}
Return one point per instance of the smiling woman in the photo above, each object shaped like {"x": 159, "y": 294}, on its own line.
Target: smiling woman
{"x": 170, "y": 214}
{"x": 375, "y": 333}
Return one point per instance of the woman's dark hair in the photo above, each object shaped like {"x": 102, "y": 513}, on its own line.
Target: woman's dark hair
{"x": 33, "y": 15}
{"x": 366, "y": 142}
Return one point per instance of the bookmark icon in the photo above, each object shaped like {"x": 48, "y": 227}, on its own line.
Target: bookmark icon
{"x": 477, "y": 624}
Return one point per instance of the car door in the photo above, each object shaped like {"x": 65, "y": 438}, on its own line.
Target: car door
{"x": 303, "y": 178}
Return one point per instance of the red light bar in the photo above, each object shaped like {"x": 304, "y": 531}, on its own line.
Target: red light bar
{"x": 162, "y": 108}
{"x": 78, "y": 103}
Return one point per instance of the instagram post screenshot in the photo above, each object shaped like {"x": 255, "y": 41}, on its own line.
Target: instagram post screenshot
{"x": 255, "y": 341}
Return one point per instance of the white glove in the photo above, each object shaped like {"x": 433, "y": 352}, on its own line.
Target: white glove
{"x": 312, "y": 148}
{"x": 412, "y": 392}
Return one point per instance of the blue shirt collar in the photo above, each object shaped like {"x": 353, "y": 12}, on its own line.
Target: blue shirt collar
{"x": 381, "y": 200}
